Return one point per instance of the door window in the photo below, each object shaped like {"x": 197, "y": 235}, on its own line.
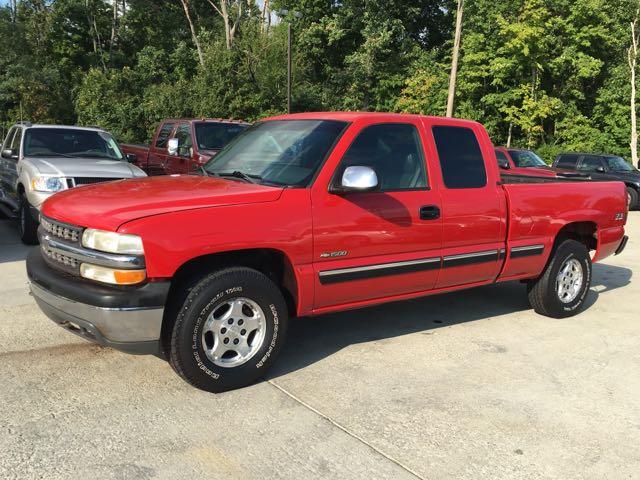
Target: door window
{"x": 15, "y": 144}
{"x": 590, "y": 163}
{"x": 9, "y": 140}
{"x": 183, "y": 134}
{"x": 460, "y": 157}
{"x": 394, "y": 151}
{"x": 502, "y": 159}
{"x": 163, "y": 135}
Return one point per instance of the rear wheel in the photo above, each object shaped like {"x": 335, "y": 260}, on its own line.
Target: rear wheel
{"x": 632, "y": 198}
{"x": 229, "y": 330}
{"x": 563, "y": 287}
{"x": 27, "y": 226}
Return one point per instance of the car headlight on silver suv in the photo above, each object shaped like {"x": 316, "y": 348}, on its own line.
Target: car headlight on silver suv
{"x": 47, "y": 184}
{"x": 112, "y": 242}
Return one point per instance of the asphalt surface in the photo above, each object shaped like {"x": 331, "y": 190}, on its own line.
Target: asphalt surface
{"x": 464, "y": 386}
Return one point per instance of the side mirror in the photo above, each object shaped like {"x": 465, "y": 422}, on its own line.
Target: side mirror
{"x": 10, "y": 153}
{"x": 600, "y": 169}
{"x": 358, "y": 179}
{"x": 131, "y": 157}
{"x": 172, "y": 146}
{"x": 503, "y": 163}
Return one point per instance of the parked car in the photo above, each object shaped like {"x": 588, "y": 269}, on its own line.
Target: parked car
{"x": 37, "y": 161}
{"x": 603, "y": 167}
{"x": 517, "y": 161}
{"x": 173, "y": 149}
{"x": 306, "y": 214}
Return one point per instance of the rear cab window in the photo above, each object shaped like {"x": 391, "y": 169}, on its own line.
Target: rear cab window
{"x": 460, "y": 157}
{"x": 567, "y": 161}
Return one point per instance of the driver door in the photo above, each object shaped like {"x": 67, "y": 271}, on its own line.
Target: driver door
{"x": 377, "y": 244}
{"x": 179, "y": 163}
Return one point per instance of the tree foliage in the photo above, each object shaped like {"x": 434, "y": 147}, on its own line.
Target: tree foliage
{"x": 548, "y": 75}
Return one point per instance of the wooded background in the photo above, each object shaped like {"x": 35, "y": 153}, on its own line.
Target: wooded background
{"x": 554, "y": 75}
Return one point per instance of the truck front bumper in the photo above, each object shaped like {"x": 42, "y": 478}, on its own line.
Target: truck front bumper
{"x": 128, "y": 319}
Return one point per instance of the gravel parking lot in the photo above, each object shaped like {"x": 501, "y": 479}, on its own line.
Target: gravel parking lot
{"x": 465, "y": 385}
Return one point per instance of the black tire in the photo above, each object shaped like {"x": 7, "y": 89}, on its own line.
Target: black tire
{"x": 27, "y": 226}
{"x": 187, "y": 353}
{"x": 543, "y": 292}
{"x": 632, "y": 195}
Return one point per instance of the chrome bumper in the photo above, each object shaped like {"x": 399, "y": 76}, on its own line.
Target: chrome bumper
{"x": 133, "y": 330}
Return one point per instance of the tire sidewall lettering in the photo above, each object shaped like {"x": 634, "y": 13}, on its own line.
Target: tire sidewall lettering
{"x": 203, "y": 363}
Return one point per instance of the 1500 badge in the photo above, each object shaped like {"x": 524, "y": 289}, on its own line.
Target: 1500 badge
{"x": 339, "y": 253}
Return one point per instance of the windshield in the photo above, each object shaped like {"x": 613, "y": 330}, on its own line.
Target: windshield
{"x": 69, "y": 142}
{"x": 526, "y": 158}
{"x": 214, "y": 136}
{"x": 281, "y": 152}
{"x": 618, "y": 164}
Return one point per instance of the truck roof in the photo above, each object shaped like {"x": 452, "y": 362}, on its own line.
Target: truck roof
{"x": 213, "y": 120}
{"x": 354, "y": 116}
{"x": 71, "y": 127}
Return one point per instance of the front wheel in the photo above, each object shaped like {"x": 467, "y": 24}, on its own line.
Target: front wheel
{"x": 561, "y": 290}
{"x": 229, "y": 330}
{"x": 27, "y": 226}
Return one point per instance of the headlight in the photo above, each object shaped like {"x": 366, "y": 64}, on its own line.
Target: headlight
{"x": 112, "y": 242}
{"x": 111, "y": 275}
{"x": 47, "y": 184}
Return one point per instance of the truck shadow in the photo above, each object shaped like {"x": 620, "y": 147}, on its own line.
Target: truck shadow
{"x": 314, "y": 338}
{"x": 11, "y": 248}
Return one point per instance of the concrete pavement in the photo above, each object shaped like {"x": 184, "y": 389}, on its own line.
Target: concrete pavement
{"x": 466, "y": 385}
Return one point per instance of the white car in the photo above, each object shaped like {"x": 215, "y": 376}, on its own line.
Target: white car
{"x": 37, "y": 161}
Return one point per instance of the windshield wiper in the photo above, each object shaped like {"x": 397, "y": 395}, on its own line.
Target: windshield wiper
{"x": 52, "y": 154}
{"x": 244, "y": 176}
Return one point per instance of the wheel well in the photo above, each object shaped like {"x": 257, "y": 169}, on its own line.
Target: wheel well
{"x": 20, "y": 189}
{"x": 273, "y": 263}
{"x": 583, "y": 232}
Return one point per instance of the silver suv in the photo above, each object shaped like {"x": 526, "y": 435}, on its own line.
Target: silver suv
{"x": 37, "y": 161}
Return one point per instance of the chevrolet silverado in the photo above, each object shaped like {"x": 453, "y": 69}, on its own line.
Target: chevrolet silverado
{"x": 306, "y": 214}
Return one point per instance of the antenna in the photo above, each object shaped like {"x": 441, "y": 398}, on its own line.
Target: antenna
{"x": 20, "y": 111}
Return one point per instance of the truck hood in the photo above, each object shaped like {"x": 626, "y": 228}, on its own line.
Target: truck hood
{"x": 84, "y": 167}
{"x": 109, "y": 205}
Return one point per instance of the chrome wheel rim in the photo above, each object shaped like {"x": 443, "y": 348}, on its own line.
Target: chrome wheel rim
{"x": 233, "y": 332}
{"x": 569, "y": 280}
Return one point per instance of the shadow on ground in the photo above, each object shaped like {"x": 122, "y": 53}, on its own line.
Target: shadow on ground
{"x": 312, "y": 339}
{"x": 11, "y": 248}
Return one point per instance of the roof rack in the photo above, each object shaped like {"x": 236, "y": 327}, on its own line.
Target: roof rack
{"x": 26, "y": 123}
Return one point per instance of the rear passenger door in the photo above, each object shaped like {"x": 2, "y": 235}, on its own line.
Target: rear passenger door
{"x": 473, "y": 208}
{"x": 158, "y": 151}
{"x": 381, "y": 243}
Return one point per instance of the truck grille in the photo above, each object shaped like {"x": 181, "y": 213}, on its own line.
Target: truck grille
{"x": 62, "y": 231}
{"x": 77, "y": 181}
{"x": 69, "y": 234}
{"x": 60, "y": 261}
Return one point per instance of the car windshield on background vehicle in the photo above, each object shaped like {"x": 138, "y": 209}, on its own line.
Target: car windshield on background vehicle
{"x": 280, "y": 152}
{"x": 69, "y": 142}
{"x": 618, "y": 164}
{"x": 214, "y": 136}
{"x": 526, "y": 158}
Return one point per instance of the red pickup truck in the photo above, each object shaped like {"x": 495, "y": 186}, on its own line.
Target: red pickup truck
{"x": 183, "y": 145}
{"x": 306, "y": 214}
